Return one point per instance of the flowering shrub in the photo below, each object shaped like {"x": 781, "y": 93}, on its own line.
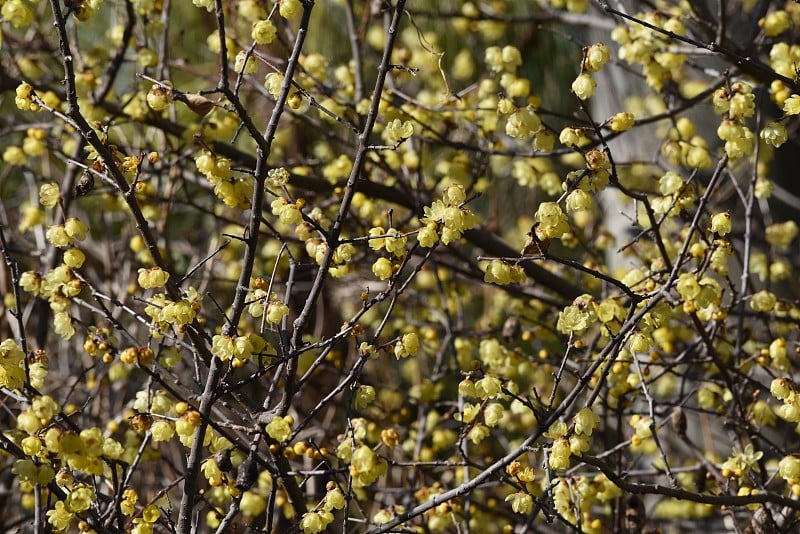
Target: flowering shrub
{"x": 359, "y": 266}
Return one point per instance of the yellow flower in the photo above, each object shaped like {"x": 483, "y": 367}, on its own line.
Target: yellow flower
{"x": 398, "y": 130}
{"x": 776, "y": 23}
{"x": 49, "y": 195}
{"x": 289, "y": 8}
{"x": 276, "y": 311}
{"x": 80, "y": 498}
{"x": 721, "y": 223}
{"x": 395, "y": 243}
{"x": 162, "y": 430}
{"x": 791, "y": 105}
{"x": 263, "y": 32}
{"x": 59, "y": 517}
{"x": 222, "y": 347}
{"x": 334, "y": 500}
{"x": 497, "y": 272}
{"x": 782, "y": 234}
{"x": 781, "y": 388}
{"x": 584, "y": 86}
{"x": 150, "y": 278}
{"x": 488, "y": 387}
{"x": 63, "y": 325}
{"x": 763, "y": 301}
{"x": 75, "y": 228}
{"x": 553, "y": 221}
{"x": 427, "y": 235}
{"x": 277, "y": 177}
{"x": 158, "y": 98}
{"x": 407, "y": 346}
{"x": 58, "y": 236}
{"x": 559, "y": 454}
{"x": 579, "y": 200}
{"x": 382, "y": 268}
{"x": 311, "y": 523}
{"x": 622, "y": 121}
{"x": 596, "y": 56}
{"x": 279, "y": 428}
{"x": 774, "y": 134}
{"x": 17, "y": 13}
{"x": 74, "y": 258}
{"x": 12, "y": 375}
{"x": 586, "y": 421}
{"x": 789, "y": 467}
{"x": 245, "y": 64}
{"x": 523, "y": 123}
{"x": 151, "y": 513}
{"x": 492, "y": 414}
{"x": 521, "y": 502}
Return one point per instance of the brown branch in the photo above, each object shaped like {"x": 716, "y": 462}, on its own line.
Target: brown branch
{"x": 677, "y": 493}
{"x": 240, "y": 297}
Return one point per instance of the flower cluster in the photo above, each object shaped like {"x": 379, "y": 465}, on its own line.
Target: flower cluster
{"x": 501, "y": 273}
{"x": 24, "y": 98}
{"x": 736, "y": 104}
{"x": 578, "y": 316}
{"x": 684, "y": 147}
{"x": 390, "y": 240}
{"x": 581, "y": 495}
{"x": 624, "y": 322}
{"x": 288, "y": 212}
{"x": 702, "y": 296}
{"x": 784, "y": 389}
{"x": 79, "y": 499}
{"x": 273, "y": 82}
{"x": 676, "y": 195}
{"x": 523, "y": 123}
{"x": 741, "y": 461}
{"x": 145, "y": 524}
{"x": 552, "y": 221}
{"x": 234, "y": 192}
{"x": 59, "y": 285}
{"x": 782, "y": 234}
{"x": 783, "y": 56}
{"x": 642, "y": 439}
{"x": 505, "y": 59}
{"x": 237, "y": 348}
{"x": 366, "y": 466}
{"x": 318, "y": 519}
{"x": 12, "y": 373}
{"x": 165, "y": 312}
{"x": 63, "y": 235}
{"x": 650, "y": 49}
{"x": 260, "y": 305}
{"x": 571, "y": 440}
{"x": 85, "y": 451}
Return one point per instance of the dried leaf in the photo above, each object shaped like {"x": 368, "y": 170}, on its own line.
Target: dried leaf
{"x": 199, "y": 104}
